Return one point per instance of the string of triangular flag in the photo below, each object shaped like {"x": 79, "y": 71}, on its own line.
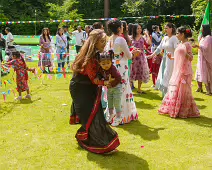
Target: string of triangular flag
{"x": 58, "y": 74}
{"x": 94, "y": 19}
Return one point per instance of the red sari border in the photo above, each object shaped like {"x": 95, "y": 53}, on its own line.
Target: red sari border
{"x": 74, "y": 120}
{"x": 101, "y": 150}
{"x": 84, "y": 135}
{"x": 95, "y": 108}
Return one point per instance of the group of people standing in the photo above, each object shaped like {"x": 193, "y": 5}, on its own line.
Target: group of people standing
{"x": 116, "y": 61}
{"x": 47, "y": 48}
{"x": 6, "y": 44}
{"x": 61, "y": 46}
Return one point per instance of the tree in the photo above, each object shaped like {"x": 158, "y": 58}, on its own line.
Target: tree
{"x": 198, "y": 7}
{"x": 157, "y": 7}
{"x": 95, "y": 8}
{"x": 66, "y": 11}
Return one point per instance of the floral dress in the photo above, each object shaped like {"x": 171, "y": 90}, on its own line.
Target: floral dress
{"x": 20, "y": 68}
{"x": 140, "y": 69}
{"x": 45, "y": 55}
{"x": 129, "y": 111}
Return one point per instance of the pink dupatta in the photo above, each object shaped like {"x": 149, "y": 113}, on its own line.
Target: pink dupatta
{"x": 206, "y": 48}
{"x": 206, "y": 51}
{"x": 179, "y": 61}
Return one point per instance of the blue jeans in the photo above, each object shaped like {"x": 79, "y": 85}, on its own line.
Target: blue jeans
{"x": 61, "y": 61}
{"x": 114, "y": 98}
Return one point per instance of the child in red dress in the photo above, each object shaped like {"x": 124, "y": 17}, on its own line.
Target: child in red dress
{"x": 21, "y": 69}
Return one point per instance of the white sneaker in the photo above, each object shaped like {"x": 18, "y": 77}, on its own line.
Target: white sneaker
{"x": 110, "y": 117}
{"x": 117, "y": 121}
{"x": 18, "y": 98}
{"x": 28, "y": 96}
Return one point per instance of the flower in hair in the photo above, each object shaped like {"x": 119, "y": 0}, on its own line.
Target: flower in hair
{"x": 188, "y": 31}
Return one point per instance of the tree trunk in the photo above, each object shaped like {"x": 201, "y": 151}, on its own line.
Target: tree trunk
{"x": 106, "y": 8}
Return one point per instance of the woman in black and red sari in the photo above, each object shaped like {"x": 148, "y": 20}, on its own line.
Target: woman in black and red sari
{"x": 95, "y": 135}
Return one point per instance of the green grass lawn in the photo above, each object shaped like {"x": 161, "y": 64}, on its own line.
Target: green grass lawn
{"x": 37, "y": 134}
{"x": 23, "y": 40}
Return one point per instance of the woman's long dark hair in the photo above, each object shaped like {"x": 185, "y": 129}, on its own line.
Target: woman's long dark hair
{"x": 135, "y": 27}
{"x": 125, "y": 32}
{"x": 206, "y": 30}
{"x": 44, "y": 37}
{"x": 130, "y": 28}
{"x": 186, "y": 31}
{"x": 114, "y": 25}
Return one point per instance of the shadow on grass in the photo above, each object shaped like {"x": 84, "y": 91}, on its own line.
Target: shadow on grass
{"x": 198, "y": 99}
{"x": 149, "y": 95}
{"x": 24, "y": 101}
{"x": 201, "y": 121}
{"x": 142, "y": 105}
{"x": 145, "y": 132}
{"x": 201, "y": 107}
{"x": 27, "y": 101}
{"x": 119, "y": 160}
{"x": 40, "y": 88}
{"x": 5, "y": 110}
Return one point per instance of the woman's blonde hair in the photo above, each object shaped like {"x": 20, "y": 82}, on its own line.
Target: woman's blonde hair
{"x": 87, "y": 51}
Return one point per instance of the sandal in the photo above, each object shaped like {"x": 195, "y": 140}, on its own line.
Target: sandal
{"x": 117, "y": 121}
{"x": 110, "y": 118}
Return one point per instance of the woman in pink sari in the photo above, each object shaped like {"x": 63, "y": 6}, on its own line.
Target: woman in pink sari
{"x": 204, "y": 64}
{"x": 179, "y": 102}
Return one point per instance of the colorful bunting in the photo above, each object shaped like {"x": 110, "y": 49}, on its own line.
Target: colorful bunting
{"x": 41, "y": 76}
{"x": 100, "y": 19}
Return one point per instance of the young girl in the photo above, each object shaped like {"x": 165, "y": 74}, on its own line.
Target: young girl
{"x": 179, "y": 102}
{"x": 21, "y": 69}
{"x": 108, "y": 72}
